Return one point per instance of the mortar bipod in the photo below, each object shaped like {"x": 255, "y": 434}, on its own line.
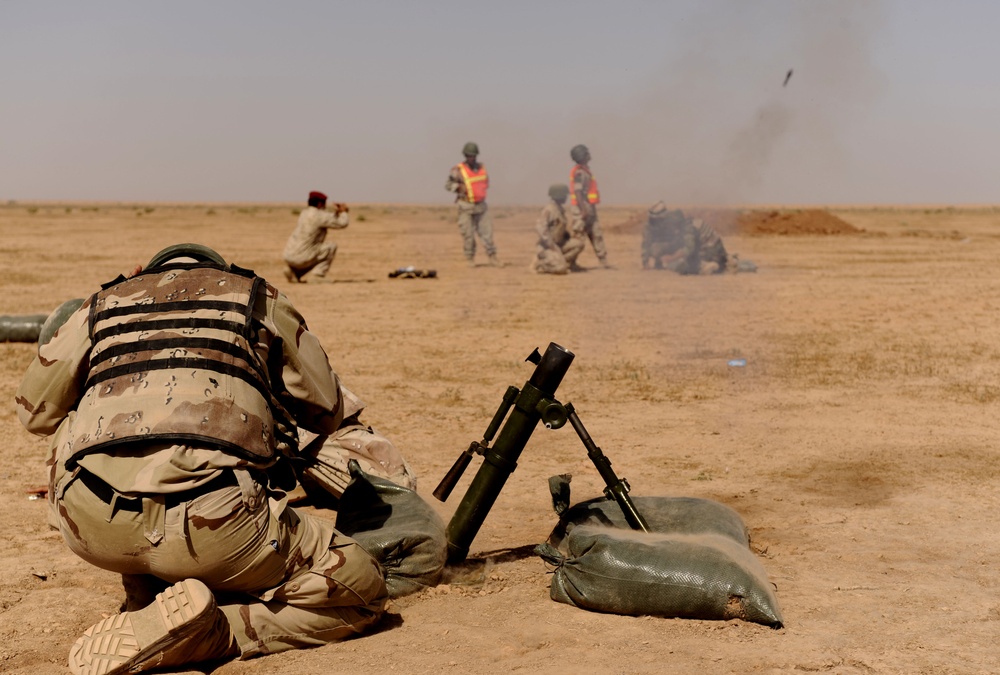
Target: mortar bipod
{"x": 615, "y": 488}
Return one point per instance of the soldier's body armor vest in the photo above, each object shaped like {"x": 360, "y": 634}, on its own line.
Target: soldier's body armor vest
{"x": 173, "y": 360}
{"x": 476, "y": 182}
{"x": 593, "y": 194}
{"x": 667, "y": 226}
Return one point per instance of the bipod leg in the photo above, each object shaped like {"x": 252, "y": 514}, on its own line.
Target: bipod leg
{"x": 447, "y": 484}
{"x": 617, "y": 488}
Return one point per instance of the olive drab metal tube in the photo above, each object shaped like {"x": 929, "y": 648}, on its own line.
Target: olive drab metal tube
{"x": 450, "y": 480}
{"x": 22, "y": 327}
{"x": 616, "y": 488}
{"x": 501, "y": 460}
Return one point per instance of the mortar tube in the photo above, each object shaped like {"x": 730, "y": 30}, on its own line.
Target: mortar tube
{"x": 501, "y": 460}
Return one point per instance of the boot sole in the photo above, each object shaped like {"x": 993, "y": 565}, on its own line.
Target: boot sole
{"x": 122, "y": 642}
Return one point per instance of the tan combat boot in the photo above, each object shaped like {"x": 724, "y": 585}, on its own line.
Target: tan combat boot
{"x": 495, "y": 261}
{"x": 182, "y": 625}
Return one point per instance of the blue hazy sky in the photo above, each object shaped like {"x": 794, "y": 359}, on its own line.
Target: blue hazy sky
{"x": 890, "y": 100}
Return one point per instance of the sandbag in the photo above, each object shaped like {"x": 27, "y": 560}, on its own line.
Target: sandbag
{"x": 22, "y": 328}
{"x": 695, "y": 563}
{"x": 679, "y": 515}
{"x": 397, "y": 527}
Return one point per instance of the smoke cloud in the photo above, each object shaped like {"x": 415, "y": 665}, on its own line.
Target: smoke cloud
{"x": 717, "y": 124}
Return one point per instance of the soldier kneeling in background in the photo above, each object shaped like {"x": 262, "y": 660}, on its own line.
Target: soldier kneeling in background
{"x": 672, "y": 240}
{"x": 558, "y": 248}
{"x": 307, "y": 249}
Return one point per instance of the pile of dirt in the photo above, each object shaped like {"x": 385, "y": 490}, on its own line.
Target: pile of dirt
{"x": 730, "y": 221}
{"x": 808, "y": 221}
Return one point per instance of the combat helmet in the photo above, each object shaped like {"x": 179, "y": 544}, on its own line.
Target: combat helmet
{"x": 580, "y": 154}
{"x": 199, "y": 252}
{"x": 662, "y": 216}
{"x": 559, "y": 191}
{"x": 470, "y": 148}
{"x": 658, "y": 209}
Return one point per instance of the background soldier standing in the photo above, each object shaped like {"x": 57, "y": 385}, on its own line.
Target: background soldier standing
{"x": 558, "y": 249}
{"x": 585, "y": 197}
{"x": 673, "y": 240}
{"x": 306, "y": 250}
{"x": 172, "y": 398}
{"x": 469, "y": 181}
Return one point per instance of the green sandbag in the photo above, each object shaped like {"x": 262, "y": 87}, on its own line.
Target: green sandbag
{"x": 680, "y": 515}
{"x": 698, "y": 566}
{"x": 397, "y": 527}
{"x": 23, "y": 328}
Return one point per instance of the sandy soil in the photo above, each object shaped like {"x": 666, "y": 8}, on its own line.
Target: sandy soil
{"x": 857, "y": 443}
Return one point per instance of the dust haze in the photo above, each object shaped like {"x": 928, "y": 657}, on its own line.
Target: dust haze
{"x": 718, "y": 124}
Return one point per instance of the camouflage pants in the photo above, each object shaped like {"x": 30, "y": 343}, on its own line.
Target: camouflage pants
{"x": 691, "y": 259}
{"x": 283, "y": 580}
{"x": 318, "y": 263}
{"x": 591, "y": 230}
{"x": 558, "y": 260}
{"x": 682, "y": 260}
{"x": 473, "y": 220}
{"x": 715, "y": 253}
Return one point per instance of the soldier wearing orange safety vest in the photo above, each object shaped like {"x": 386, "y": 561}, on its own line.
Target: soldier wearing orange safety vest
{"x": 584, "y": 198}
{"x": 469, "y": 181}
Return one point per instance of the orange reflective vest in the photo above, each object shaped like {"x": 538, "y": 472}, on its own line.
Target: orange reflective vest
{"x": 476, "y": 182}
{"x": 593, "y": 195}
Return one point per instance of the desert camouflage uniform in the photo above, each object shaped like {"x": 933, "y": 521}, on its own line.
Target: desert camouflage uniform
{"x": 583, "y": 215}
{"x": 306, "y": 250}
{"x": 165, "y": 509}
{"x": 558, "y": 249}
{"x": 686, "y": 243}
{"x": 710, "y": 248}
{"x": 322, "y": 460}
{"x": 473, "y": 219}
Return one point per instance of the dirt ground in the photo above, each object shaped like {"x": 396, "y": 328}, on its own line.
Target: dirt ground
{"x": 856, "y": 443}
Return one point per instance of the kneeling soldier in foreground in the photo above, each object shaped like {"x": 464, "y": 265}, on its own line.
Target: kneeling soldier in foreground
{"x": 172, "y": 399}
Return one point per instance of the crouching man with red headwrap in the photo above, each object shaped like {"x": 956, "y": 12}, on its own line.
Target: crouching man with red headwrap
{"x": 306, "y": 250}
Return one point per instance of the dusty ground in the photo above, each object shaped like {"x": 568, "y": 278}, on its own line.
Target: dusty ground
{"x": 857, "y": 443}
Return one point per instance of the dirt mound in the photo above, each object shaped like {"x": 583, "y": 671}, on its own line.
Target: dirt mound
{"x": 809, "y": 221}
{"x": 730, "y": 221}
